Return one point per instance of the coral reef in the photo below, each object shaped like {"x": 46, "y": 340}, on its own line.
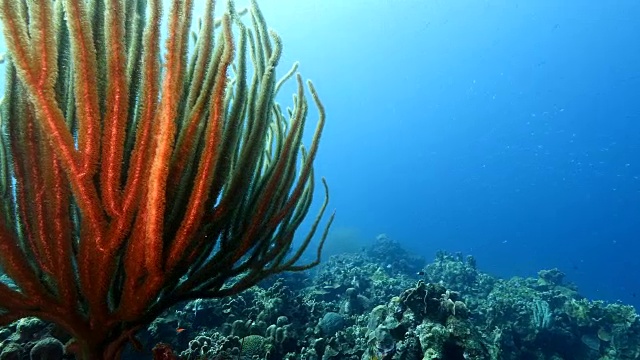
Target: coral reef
{"x": 362, "y": 307}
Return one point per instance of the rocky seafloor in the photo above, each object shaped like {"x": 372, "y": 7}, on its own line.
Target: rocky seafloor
{"x": 380, "y": 304}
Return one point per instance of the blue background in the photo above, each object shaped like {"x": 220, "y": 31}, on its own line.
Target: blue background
{"x": 508, "y": 130}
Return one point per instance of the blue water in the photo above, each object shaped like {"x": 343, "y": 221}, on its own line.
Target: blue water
{"x": 508, "y": 130}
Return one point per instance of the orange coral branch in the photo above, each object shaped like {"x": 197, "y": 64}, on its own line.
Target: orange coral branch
{"x": 130, "y": 184}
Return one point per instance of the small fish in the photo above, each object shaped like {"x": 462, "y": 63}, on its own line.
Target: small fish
{"x": 179, "y": 330}
{"x": 420, "y": 273}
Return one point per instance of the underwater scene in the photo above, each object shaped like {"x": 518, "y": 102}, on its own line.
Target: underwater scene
{"x": 319, "y": 180}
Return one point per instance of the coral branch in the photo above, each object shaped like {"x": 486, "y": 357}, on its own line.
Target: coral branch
{"x": 130, "y": 183}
